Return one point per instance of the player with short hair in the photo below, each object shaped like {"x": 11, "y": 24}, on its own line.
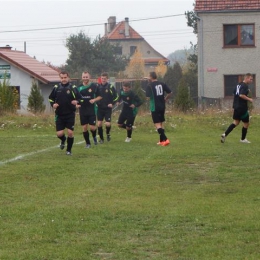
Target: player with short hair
{"x": 87, "y": 109}
{"x": 240, "y": 107}
{"x": 109, "y": 97}
{"x": 64, "y": 98}
{"x": 131, "y": 102}
{"x": 155, "y": 92}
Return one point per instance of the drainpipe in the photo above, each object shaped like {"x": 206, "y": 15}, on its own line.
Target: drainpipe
{"x": 200, "y": 61}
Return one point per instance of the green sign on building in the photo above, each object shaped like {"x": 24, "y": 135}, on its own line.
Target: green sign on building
{"x": 5, "y": 71}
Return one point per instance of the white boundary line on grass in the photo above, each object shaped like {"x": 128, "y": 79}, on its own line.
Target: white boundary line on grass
{"x": 22, "y": 156}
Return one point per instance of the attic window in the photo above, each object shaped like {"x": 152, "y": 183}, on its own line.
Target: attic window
{"x": 239, "y": 35}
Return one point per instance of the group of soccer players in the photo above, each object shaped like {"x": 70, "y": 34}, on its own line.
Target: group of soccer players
{"x": 96, "y": 101}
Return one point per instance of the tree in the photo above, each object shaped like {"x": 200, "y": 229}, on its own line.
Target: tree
{"x": 172, "y": 77}
{"x": 8, "y": 97}
{"x": 135, "y": 67}
{"x": 94, "y": 56}
{"x": 35, "y": 100}
{"x": 161, "y": 69}
{"x": 183, "y": 101}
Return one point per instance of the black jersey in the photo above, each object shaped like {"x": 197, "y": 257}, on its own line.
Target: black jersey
{"x": 240, "y": 103}
{"x": 63, "y": 94}
{"x": 156, "y": 91}
{"x": 88, "y": 92}
{"x": 108, "y": 94}
{"x": 129, "y": 98}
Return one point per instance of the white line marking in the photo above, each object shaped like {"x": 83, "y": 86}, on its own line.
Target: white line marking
{"x": 22, "y": 156}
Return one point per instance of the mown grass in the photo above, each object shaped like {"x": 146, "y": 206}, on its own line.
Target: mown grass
{"x": 195, "y": 199}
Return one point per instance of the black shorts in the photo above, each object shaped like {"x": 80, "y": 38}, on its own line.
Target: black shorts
{"x": 88, "y": 119}
{"x": 241, "y": 114}
{"x": 67, "y": 121}
{"x": 158, "y": 116}
{"x": 104, "y": 113}
{"x": 128, "y": 119}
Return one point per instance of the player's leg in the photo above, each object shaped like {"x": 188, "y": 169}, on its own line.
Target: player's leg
{"x": 60, "y": 126}
{"x": 108, "y": 115}
{"x": 84, "y": 122}
{"x": 100, "y": 118}
{"x": 245, "y": 120}
{"x": 236, "y": 118}
{"x": 129, "y": 128}
{"x": 70, "y": 127}
{"x": 93, "y": 128}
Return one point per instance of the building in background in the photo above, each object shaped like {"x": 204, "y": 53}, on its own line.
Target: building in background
{"x": 21, "y": 70}
{"x": 128, "y": 40}
{"x": 228, "y": 47}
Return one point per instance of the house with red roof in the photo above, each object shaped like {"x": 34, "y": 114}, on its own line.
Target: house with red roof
{"x": 228, "y": 46}
{"x": 128, "y": 41}
{"x": 21, "y": 70}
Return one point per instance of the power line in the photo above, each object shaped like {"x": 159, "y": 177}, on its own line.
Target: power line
{"x": 88, "y": 25}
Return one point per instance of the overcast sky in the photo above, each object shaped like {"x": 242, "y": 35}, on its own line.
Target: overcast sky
{"x": 45, "y": 25}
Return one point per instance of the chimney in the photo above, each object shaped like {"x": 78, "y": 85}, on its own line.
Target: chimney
{"x": 127, "y": 27}
{"x": 111, "y": 23}
{"x": 7, "y": 47}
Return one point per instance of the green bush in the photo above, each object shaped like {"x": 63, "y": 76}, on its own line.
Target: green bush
{"x": 35, "y": 100}
{"x": 8, "y": 97}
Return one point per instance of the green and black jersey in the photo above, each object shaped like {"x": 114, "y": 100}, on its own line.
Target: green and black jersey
{"x": 156, "y": 91}
{"x": 87, "y": 93}
{"x": 129, "y": 98}
{"x": 108, "y": 94}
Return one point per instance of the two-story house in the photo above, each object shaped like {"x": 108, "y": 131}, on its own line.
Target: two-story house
{"x": 21, "y": 70}
{"x": 228, "y": 46}
{"x": 128, "y": 40}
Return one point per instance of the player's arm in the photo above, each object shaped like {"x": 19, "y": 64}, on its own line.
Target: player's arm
{"x": 168, "y": 92}
{"x": 115, "y": 95}
{"x": 137, "y": 101}
{"x": 243, "y": 96}
{"x": 52, "y": 97}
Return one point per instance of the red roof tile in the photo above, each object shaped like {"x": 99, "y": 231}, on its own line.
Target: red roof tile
{"x": 30, "y": 65}
{"x": 226, "y": 5}
{"x": 118, "y": 33}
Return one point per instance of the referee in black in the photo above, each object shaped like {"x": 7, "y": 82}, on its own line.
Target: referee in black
{"x": 64, "y": 98}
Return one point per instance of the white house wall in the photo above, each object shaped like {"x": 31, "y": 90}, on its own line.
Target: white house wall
{"x": 23, "y": 80}
{"x": 218, "y": 61}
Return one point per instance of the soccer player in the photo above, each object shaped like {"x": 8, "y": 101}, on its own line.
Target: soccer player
{"x": 87, "y": 108}
{"x": 131, "y": 102}
{"x": 240, "y": 107}
{"x": 105, "y": 105}
{"x": 158, "y": 93}
{"x": 64, "y": 98}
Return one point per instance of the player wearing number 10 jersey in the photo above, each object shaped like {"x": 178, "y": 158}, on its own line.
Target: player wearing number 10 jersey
{"x": 158, "y": 93}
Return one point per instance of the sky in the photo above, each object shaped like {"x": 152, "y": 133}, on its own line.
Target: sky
{"x": 42, "y": 27}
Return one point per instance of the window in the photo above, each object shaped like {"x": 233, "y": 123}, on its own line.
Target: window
{"x": 239, "y": 35}
{"x": 132, "y": 50}
{"x": 231, "y": 81}
{"x": 118, "y": 50}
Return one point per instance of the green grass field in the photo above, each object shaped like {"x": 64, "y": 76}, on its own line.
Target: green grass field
{"x": 194, "y": 199}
